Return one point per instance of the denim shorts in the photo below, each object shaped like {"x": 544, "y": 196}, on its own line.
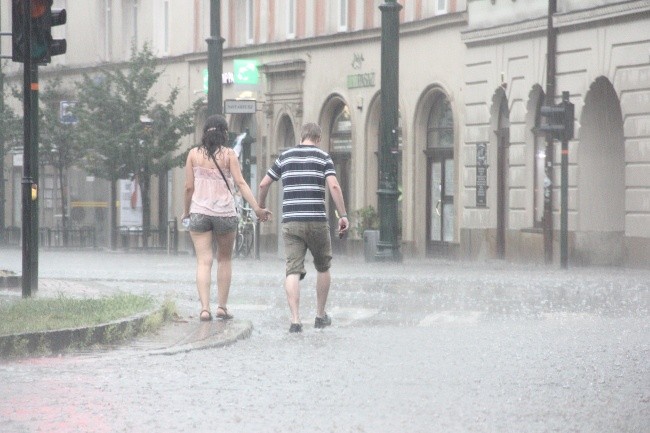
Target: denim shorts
{"x": 204, "y": 223}
{"x": 299, "y": 237}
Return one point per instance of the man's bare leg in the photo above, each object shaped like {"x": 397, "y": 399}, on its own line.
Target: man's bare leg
{"x": 292, "y": 287}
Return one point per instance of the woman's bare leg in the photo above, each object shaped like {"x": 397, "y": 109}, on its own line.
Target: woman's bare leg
{"x": 225, "y": 243}
{"x": 204, "y": 257}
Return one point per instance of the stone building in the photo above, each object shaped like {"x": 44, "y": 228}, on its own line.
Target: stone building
{"x": 472, "y": 77}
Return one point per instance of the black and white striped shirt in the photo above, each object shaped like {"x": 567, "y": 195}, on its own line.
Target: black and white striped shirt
{"x": 303, "y": 170}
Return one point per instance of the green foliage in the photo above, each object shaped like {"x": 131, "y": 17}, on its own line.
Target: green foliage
{"x": 11, "y": 128}
{"x": 110, "y": 107}
{"x": 364, "y": 219}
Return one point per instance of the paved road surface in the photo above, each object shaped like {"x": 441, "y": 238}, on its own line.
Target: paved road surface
{"x": 424, "y": 346}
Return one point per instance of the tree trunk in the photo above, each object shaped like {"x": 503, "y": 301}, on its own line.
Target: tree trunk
{"x": 146, "y": 207}
{"x": 64, "y": 205}
{"x": 113, "y": 212}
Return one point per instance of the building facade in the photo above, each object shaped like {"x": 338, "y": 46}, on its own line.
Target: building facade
{"x": 472, "y": 80}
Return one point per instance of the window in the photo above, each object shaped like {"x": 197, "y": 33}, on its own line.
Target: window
{"x": 291, "y": 19}
{"x": 134, "y": 22}
{"x": 108, "y": 29}
{"x": 165, "y": 36}
{"x": 441, "y": 125}
{"x": 343, "y": 15}
{"x": 250, "y": 22}
{"x": 341, "y": 133}
{"x": 441, "y": 6}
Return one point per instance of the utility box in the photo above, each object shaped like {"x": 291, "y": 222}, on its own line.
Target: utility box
{"x": 370, "y": 241}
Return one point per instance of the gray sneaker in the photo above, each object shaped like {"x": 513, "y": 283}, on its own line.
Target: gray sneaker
{"x": 322, "y": 322}
{"x": 295, "y": 327}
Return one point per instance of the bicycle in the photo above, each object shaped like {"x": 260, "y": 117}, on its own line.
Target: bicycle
{"x": 245, "y": 237}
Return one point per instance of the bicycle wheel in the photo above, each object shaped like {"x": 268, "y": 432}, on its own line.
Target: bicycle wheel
{"x": 247, "y": 239}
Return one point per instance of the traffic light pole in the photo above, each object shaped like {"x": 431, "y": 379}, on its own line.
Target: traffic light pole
{"x": 215, "y": 60}
{"x": 564, "y": 212}
{"x": 547, "y": 220}
{"x": 30, "y": 165}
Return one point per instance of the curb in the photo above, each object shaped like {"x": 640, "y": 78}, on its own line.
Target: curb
{"x": 207, "y": 336}
{"x": 61, "y": 340}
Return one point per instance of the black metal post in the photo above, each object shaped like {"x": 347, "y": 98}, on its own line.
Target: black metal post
{"x": 564, "y": 211}
{"x": 215, "y": 60}
{"x": 2, "y": 155}
{"x": 551, "y": 44}
{"x": 30, "y": 164}
{"x": 387, "y": 193}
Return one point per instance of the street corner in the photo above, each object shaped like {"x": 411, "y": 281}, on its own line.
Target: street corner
{"x": 181, "y": 335}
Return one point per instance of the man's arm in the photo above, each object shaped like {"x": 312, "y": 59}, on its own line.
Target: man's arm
{"x": 264, "y": 190}
{"x": 337, "y": 196}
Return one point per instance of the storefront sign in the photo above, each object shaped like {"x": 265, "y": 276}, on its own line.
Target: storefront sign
{"x": 226, "y": 78}
{"x": 481, "y": 174}
{"x": 242, "y": 106}
{"x": 246, "y": 71}
{"x": 361, "y": 80}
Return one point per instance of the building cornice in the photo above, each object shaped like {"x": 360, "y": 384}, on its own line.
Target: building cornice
{"x": 618, "y": 10}
{"x": 337, "y": 39}
{"x": 536, "y": 26}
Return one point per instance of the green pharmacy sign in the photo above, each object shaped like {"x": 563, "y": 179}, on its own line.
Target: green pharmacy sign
{"x": 245, "y": 71}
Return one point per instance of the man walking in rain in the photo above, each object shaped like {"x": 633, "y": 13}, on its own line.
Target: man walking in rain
{"x": 305, "y": 170}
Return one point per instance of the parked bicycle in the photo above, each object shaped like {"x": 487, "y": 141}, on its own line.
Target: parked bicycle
{"x": 245, "y": 238}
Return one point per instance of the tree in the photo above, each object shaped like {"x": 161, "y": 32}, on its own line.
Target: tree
{"x": 57, "y": 144}
{"x": 125, "y": 131}
{"x": 10, "y": 131}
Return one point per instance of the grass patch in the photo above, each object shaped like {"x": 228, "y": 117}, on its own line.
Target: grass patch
{"x": 47, "y": 314}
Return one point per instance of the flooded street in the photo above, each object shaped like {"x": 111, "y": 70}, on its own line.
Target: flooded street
{"x": 421, "y": 346}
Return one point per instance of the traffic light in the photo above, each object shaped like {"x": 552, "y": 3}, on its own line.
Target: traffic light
{"x": 559, "y": 123}
{"x": 42, "y": 19}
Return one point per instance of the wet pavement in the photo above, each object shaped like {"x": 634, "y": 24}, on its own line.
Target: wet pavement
{"x": 423, "y": 346}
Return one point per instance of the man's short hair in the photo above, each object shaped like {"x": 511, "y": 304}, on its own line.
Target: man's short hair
{"x": 310, "y": 131}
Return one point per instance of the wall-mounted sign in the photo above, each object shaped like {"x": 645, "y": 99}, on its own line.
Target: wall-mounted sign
{"x": 361, "y": 80}
{"x": 481, "y": 174}
{"x": 226, "y": 78}
{"x": 239, "y": 106}
{"x": 65, "y": 113}
{"x": 245, "y": 71}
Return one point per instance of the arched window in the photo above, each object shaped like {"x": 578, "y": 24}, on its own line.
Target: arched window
{"x": 440, "y": 133}
{"x": 341, "y": 132}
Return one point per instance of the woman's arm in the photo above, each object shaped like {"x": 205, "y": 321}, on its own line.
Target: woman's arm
{"x": 243, "y": 187}
{"x": 189, "y": 183}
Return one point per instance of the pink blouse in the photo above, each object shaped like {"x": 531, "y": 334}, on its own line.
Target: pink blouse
{"x": 211, "y": 195}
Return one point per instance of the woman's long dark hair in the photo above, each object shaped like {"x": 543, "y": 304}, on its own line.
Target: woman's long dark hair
{"x": 215, "y": 135}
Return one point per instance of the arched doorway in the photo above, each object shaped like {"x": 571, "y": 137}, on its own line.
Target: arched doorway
{"x": 336, "y": 123}
{"x": 441, "y": 175}
{"x": 601, "y": 178}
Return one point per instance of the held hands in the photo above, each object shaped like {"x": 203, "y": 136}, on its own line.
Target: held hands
{"x": 263, "y": 214}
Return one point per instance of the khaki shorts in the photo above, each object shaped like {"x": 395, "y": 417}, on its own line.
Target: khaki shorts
{"x": 301, "y": 236}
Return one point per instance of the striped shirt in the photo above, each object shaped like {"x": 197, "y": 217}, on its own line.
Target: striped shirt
{"x": 303, "y": 170}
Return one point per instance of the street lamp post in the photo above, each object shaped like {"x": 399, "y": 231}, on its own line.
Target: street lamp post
{"x": 215, "y": 60}
{"x": 388, "y": 247}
